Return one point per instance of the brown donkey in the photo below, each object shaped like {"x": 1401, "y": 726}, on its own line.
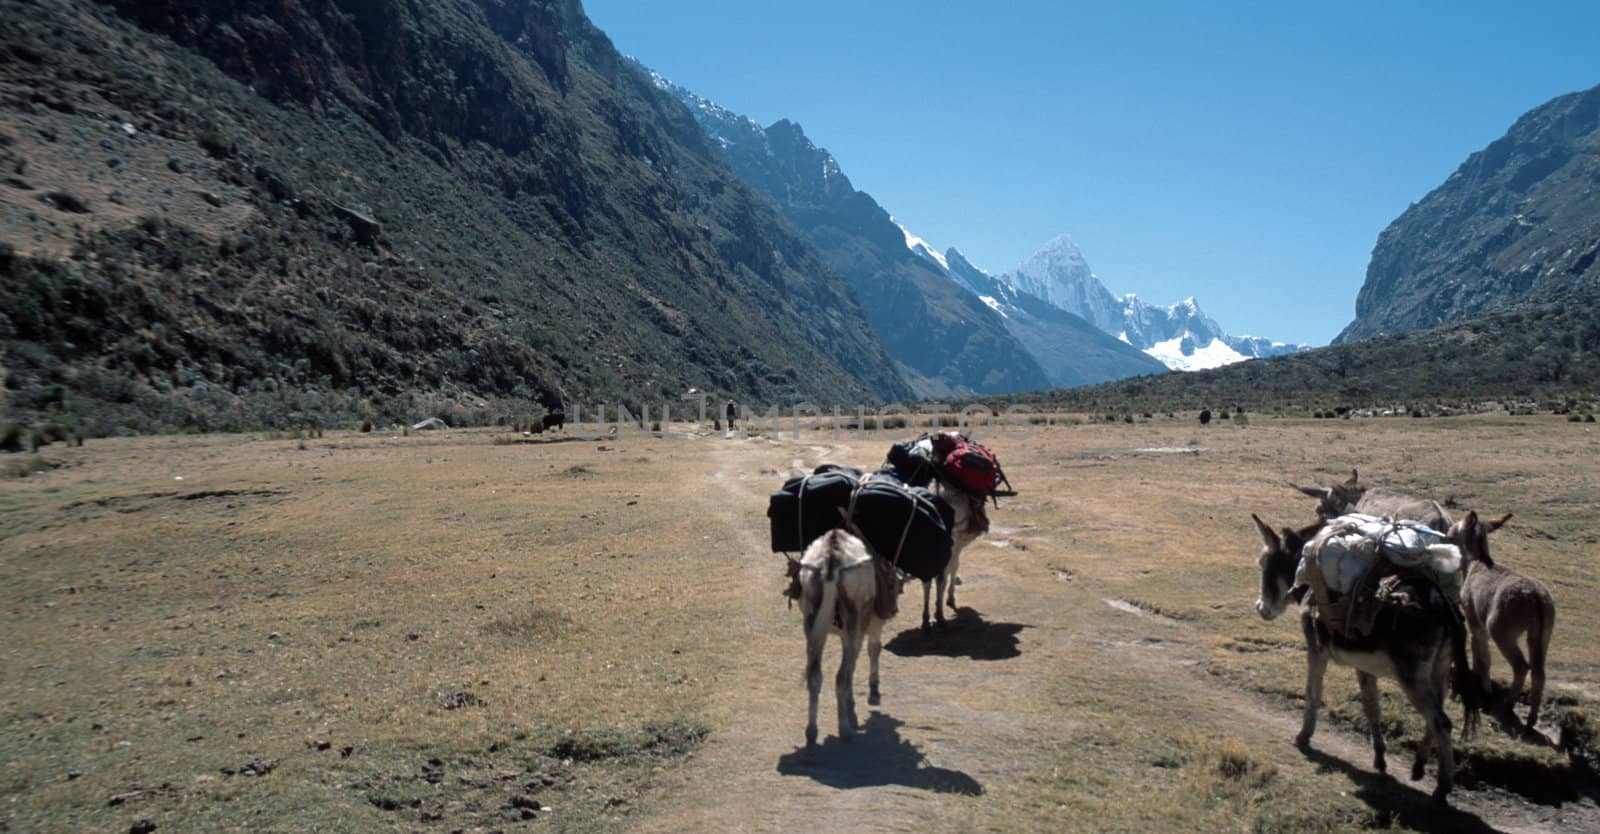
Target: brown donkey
{"x": 1503, "y": 605}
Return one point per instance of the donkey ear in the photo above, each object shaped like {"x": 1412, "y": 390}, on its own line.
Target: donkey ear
{"x": 1354, "y": 477}
{"x": 1471, "y": 520}
{"x": 1269, "y": 538}
{"x": 1496, "y": 525}
{"x": 1318, "y": 493}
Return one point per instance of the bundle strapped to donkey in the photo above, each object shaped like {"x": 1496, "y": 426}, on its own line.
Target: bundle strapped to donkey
{"x": 954, "y": 459}
{"x": 1358, "y": 565}
{"x": 909, "y": 526}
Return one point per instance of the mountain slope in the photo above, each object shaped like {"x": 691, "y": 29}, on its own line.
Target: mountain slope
{"x": 1519, "y": 219}
{"x": 1180, "y": 337}
{"x": 1072, "y": 351}
{"x": 1547, "y": 351}
{"x": 944, "y": 340}
{"x": 314, "y": 212}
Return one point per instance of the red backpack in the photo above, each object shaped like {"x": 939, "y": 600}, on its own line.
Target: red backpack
{"x": 967, "y": 465}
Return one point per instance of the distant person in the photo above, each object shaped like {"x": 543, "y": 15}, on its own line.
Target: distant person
{"x": 731, "y": 412}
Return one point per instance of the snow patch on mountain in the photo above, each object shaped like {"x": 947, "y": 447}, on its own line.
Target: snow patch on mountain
{"x": 921, "y": 247}
{"x": 1182, "y": 354}
{"x": 994, "y": 305}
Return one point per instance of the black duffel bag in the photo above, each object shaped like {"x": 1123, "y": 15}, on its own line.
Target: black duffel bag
{"x": 808, "y": 506}
{"x": 906, "y": 525}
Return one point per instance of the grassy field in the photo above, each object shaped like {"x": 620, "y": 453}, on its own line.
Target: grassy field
{"x": 476, "y": 631}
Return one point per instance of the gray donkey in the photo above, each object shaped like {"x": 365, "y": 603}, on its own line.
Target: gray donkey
{"x": 1415, "y": 645}
{"x": 1504, "y": 605}
{"x": 1352, "y": 496}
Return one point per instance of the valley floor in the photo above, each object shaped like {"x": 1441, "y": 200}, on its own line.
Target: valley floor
{"x": 477, "y": 631}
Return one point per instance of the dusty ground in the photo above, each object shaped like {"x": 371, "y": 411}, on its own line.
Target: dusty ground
{"x": 444, "y": 632}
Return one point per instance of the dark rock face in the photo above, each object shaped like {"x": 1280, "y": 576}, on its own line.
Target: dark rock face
{"x": 416, "y": 207}
{"x": 944, "y": 339}
{"x": 1518, "y": 221}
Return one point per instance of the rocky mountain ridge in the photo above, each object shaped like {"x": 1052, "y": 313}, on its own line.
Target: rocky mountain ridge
{"x": 1517, "y": 221}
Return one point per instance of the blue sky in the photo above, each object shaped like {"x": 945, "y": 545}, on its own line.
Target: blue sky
{"x": 1247, "y": 154}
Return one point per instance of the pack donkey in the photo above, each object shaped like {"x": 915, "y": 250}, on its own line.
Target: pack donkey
{"x": 1504, "y": 605}
{"x": 1413, "y": 645}
{"x": 972, "y": 521}
{"x": 840, "y": 592}
{"x": 1352, "y": 496}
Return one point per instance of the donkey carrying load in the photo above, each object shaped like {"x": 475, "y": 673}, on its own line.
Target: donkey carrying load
{"x": 1390, "y": 622}
{"x": 1499, "y": 603}
{"x": 841, "y": 591}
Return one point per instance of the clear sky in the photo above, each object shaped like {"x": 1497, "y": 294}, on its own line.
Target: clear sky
{"x": 1247, "y": 154}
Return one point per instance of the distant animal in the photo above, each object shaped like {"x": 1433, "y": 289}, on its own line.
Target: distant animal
{"x": 553, "y": 420}
{"x": 1504, "y": 605}
{"x": 1354, "y": 497}
{"x": 1205, "y": 416}
{"x": 838, "y": 584}
{"x": 1414, "y": 646}
{"x": 972, "y": 521}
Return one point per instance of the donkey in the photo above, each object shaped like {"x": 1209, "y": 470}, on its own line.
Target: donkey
{"x": 838, "y": 583}
{"x": 972, "y": 521}
{"x": 1414, "y": 647}
{"x": 1503, "y": 605}
{"x": 1354, "y": 497}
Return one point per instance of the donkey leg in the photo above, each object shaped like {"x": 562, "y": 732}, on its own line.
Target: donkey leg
{"x": 844, "y": 689}
{"x": 1428, "y": 696}
{"x": 1506, "y": 640}
{"x": 1538, "y": 648}
{"x": 926, "y": 584}
{"x": 938, "y": 601}
{"x": 813, "y": 680}
{"x": 1316, "y": 667}
{"x": 1481, "y": 658}
{"x": 950, "y": 577}
{"x": 874, "y": 648}
{"x": 1370, "y": 705}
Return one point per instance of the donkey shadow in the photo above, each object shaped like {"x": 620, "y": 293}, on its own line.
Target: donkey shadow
{"x": 875, "y": 757}
{"x": 1397, "y": 802}
{"x": 967, "y": 635}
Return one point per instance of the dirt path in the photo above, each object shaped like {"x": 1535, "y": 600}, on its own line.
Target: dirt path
{"x": 961, "y": 708}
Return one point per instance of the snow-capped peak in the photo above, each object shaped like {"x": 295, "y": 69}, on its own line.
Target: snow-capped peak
{"x": 922, "y": 247}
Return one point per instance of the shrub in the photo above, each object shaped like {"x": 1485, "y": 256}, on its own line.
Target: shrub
{"x": 366, "y": 426}
{"x": 11, "y": 438}
{"x": 1127, "y": 418}
{"x": 1574, "y": 418}
{"x": 1588, "y": 418}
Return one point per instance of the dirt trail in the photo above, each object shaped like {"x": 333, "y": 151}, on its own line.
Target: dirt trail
{"x": 957, "y": 706}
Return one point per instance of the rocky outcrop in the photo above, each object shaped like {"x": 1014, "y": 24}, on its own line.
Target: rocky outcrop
{"x": 1519, "y": 220}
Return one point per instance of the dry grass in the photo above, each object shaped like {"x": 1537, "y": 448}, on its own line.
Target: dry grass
{"x": 471, "y": 619}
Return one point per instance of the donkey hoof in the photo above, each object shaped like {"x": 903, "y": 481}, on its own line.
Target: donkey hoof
{"x": 1416, "y": 775}
{"x": 874, "y": 699}
{"x": 1303, "y": 741}
{"x": 1380, "y": 765}
{"x": 811, "y": 738}
{"x": 1441, "y": 796}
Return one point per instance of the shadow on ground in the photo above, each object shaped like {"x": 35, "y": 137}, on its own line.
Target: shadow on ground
{"x": 875, "y": 757}
{"x": 968, "y": 635}
{"x": 1401, "y": 803}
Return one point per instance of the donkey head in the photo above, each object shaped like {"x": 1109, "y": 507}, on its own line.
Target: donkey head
{"x": 1472, "y": 536}
{"x": 1336, "y": 500}
{"x": 1279, "y": 558}
{"x": 971, "y": 512}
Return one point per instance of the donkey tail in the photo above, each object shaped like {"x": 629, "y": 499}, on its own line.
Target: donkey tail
{"x": 822, "y": 597}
